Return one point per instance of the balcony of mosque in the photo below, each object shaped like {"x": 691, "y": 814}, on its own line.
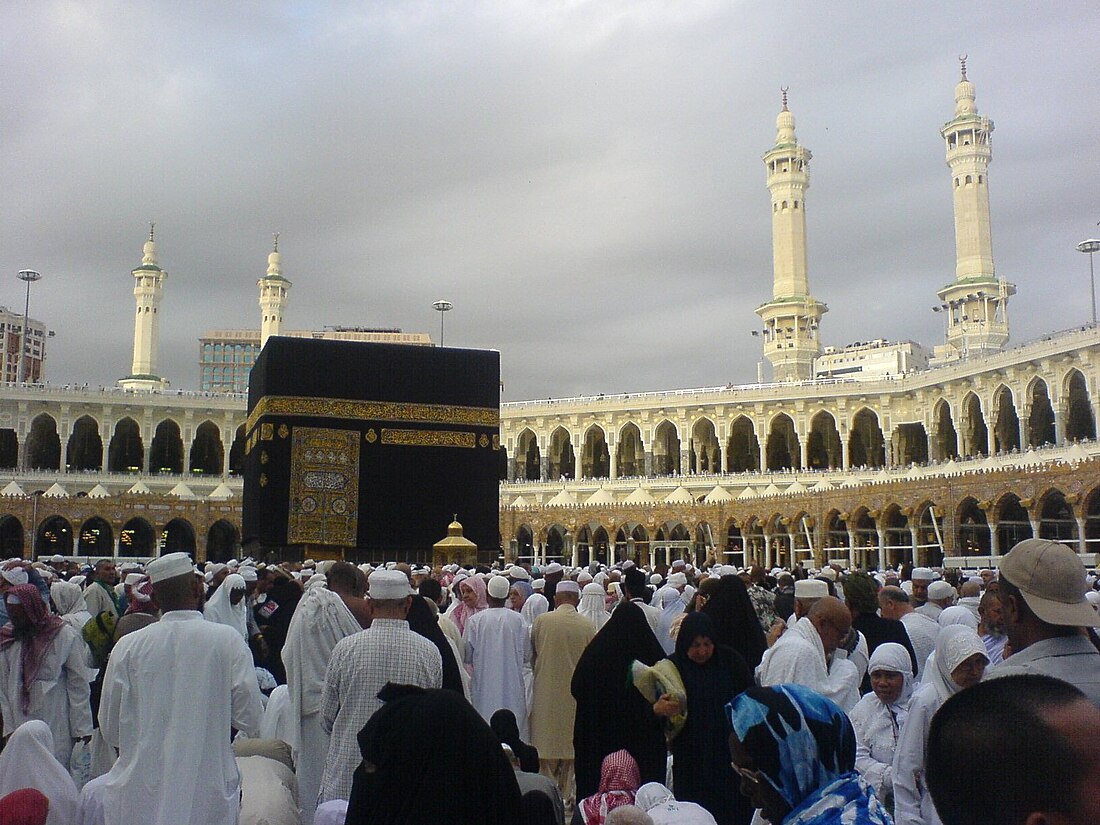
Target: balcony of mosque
{"x": 112, "y": 395}
{"x": 78, "y": 483}
{"x": 1025, "y": 462}
{"x": 1047, "y": 346}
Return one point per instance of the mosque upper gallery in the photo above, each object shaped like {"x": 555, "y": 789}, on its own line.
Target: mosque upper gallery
{"x": 873, "y": 454}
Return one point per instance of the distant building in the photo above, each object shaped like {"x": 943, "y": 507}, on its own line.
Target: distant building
{"x": 870, "y": 360}
{"x": 226, "y": 355}
{"x": 11, "y": 325}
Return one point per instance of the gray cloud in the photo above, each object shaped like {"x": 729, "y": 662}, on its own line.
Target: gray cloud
{"x": 582, "y": 180}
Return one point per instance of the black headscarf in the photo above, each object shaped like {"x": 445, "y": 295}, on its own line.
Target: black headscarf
{"x": 735, "y": 621}
{"x": 611, "y": 713}
{"x": 701, "y": 762}
{"x": 432, "y": 758}
{"x": 504, "y": 725}
{"x": 422, "y": 620}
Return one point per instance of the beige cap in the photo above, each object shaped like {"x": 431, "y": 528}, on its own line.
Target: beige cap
{"x": 498, "y": 587}
{"x": 388, "y": 584}
{"x": 810, "y": 589}
{"x": 168, "y": 567}
{"x": 1051, "y": 578}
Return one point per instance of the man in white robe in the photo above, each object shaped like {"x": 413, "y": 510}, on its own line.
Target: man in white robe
{"x": 498, "y": 643}
{"x": 894, "y": 603}
{"x": 320, "y": 621}
{"x": 804, "y": 655}
{"x": 171, "y": 695}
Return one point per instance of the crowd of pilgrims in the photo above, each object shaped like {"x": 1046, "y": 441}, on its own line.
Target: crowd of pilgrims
{"x": 323, "y": 693}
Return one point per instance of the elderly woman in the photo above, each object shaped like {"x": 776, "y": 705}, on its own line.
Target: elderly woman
{"x": 959, "y": 661}
{"x": 795, "y": 752}
{"x": 879, "y": 717}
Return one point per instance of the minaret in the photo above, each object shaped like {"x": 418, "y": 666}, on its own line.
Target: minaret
{"x": 976, "y": 304}
{"x": 148, "y": 290}
{"x": 274, "y": 289}
{"x": 791, "y": 318}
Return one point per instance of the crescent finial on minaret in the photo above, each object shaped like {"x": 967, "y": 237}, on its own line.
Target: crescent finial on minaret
{"x": 276, "y": 238}
{"x": 962, "y": 65}
{"x": 152, "y": 229}
{"x": 783, "y": 90}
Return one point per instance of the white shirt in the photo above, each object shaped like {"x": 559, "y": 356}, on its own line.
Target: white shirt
{"x": 912, "y": 802}
{"x": 922, "y": 633}
{"x": 498, "y": 644}
{"x": 59, "y": 693}
{"x": 877, "y": 733}
{"x": 799, "y": 658}
{"x": 360, "y": 666}
{"x": 171, "y": 693}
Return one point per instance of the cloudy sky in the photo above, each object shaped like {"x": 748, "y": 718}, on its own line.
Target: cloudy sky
{"x": 581, "y": 179}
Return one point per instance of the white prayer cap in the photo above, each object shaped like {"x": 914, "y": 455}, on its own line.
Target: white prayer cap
{"x": 248, "y": 574}
{"x": 828, "y": 573}
{"x": 56, "y": 559}
{"x": 389, "y": 584}
{"x": 583, "y": 578}
{"x": 232, "y": 563}
{"x": 127, "y": 566}
{"x": 215, "y": 568}
{"x": 593, "y": 589}
{"x": 567, "y": 586}
{"x": 677, "y": 580}
{"x": 629, "y": 563}
{"x": 655, "y": 578}
{"x": 308, "y": 563}
{"x": 940, "y": 590}
{"x": 553, "y": 568}
{"x": 169, "y": 566}
{"x": 518, "y": 572}
{"x": 923, "y": 574}
{"x": 133, "y": 578}
{"x": 810, "y": 589}
{"x": 678, "y": 564}
{"x": 498, "y": 587}
{"x": 316, "y": 580}
{"x": 15, "y": 576}
{"x": 366, "y": 568}
{"x": 538, "y": 584}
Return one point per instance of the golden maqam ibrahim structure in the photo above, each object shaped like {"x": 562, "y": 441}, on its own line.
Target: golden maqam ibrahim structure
{"x": 898, "y": 455}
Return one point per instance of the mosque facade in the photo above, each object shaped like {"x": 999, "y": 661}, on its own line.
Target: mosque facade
{"x": 913, "y": 457}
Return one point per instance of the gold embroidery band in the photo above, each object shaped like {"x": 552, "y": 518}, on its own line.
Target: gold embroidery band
{"x": 428, "y": 438}
{"x": 399, "y": 412}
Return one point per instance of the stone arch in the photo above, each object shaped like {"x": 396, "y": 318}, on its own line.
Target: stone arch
{"x": 975, "y": 432}
{"x": 137, "y": 538}
{"x": 705, "y": 450}
{"x": 9, "y": 449}
{"x": 866, "y": 446}
{"x": 126, "y": 452}
{"x": 1006, "y": 423}
{"x": 54, "y": 536}
{"x": 752, "y": 531}
{"x": 1092, "y": 520}
{"x": 166, "y": 451}
{"x": 582, "y": 545}
{"x": 85, "y": 448}
{"x": 945, "y": 441}
{"x": 1056, "y": 519}
{"x": 178, "y": 536}
{"x": 44, "y": 445}
{"x": 554, "y": 544}
{"x": 630, "y": 452}
{"x": 778, "y": 539}
{"x": 207, "y": 452}
{"x": 97, "y": 538}
{"x": 11, "y": 537}
{"x": 784, "y": 450}
{"x": 1080, "y": 425}
{"x": 525, "y": 542}
{"x": 666, "y": 449}
{"x": 742, "y": 447}
{"x": 600, "y": 547}
{"x": 236, "y": 452}
{"x": 866, "y": 535}
{"x": 837, "y": 540}
{"x": 1013, "y": 522}
{"x": 735, "y": 544}
{"x": 910, "y": 444}
{"x": 528, "y": 457}
{"x": 823, "y": 452}
{"x": 563, "y": 463}
{"x": 1040, "y": 419}
{"x": 896, "y": 536}
{"x": 971, "y": 529}
{"x": 222, "y": 541}
{"x": 928, "y": 549}
{"x": 595, "y": 458}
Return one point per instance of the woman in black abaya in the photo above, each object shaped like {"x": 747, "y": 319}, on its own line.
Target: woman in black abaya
{"x": 611, "y": 714}
{"x": 422, "y": 621}
{"x": 735, "y": 621}
{"x": 713, "y": 675}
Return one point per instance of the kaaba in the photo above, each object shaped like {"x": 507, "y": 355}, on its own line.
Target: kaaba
{"x": 368, "y": 451}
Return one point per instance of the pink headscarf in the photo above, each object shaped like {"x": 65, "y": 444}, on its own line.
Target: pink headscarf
{"x": 24, "y": 807}
{"x": 464, "y": 611}
{"x": 44, "y": 627}
{"x": 619, "y": 781}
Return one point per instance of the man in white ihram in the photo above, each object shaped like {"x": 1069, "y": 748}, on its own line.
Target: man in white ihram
{"x": 171, "y": 694}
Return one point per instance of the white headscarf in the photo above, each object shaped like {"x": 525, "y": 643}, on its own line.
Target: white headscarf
{"x": 28, "y": 762}
{"x": 68, "y": 598}
{"x": 672, "y": 605}
{"x": 592, "y": 605}
{"x": 957, "y": 614}
{"x": 954, "y": 645}
{"x": 220, "y": 610}
{"x": 534, "y": 607}
{"x": 892, "y": 657}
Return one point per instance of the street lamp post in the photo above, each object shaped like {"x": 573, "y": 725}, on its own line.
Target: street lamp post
{"x": 29, "y": 276}
{"x": 442, "y": 307}
{"x": 1090, "y": 246}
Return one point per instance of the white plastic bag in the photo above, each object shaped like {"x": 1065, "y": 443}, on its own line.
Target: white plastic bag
{"x": 80, "y": 763}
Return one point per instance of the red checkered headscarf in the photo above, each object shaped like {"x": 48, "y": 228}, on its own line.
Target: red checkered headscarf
{"x": 619, "y": 781}
{"x": 36, "y": 638}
